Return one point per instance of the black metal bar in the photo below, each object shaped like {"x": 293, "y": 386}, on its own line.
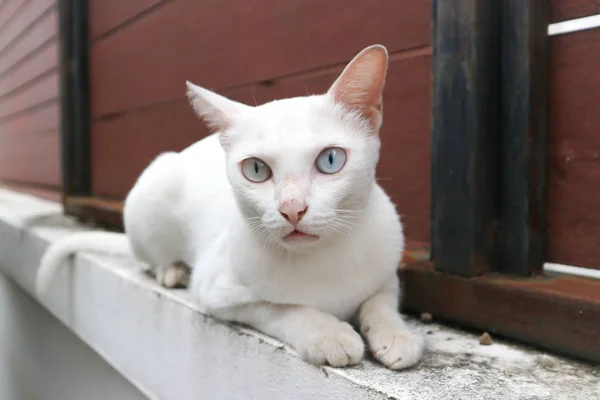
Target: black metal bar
{"x": 74, "y": 97}
{"x": 465, "y": 170}
{"x": 524, "y": 134}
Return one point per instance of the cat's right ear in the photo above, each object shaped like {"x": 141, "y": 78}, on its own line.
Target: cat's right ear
{"x": 215, "y": 110}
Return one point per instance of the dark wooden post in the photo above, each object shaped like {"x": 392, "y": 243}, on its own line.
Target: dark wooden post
{"x": 465, "y": 143}
{"x": 74, "y": 97}
{"x": 489, "y": 180}
{"x": 524, "y": 134}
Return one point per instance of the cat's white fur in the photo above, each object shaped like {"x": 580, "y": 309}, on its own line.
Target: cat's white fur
{"x": 197, "y": 207}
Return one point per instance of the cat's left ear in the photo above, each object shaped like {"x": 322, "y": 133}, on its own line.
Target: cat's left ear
{"x": 360, "y": 86}
{"x": 215, "y": 110}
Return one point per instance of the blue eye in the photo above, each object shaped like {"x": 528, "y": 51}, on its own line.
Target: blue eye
{"x": 331, "y": 160}
{"x": 255, "y": 170}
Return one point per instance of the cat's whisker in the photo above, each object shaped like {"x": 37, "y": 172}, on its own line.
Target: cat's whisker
{"x": 348, "y": 215}
{"x": 347, "y": 226}
{"x": 344, "y": 220}
{"x": 356, "y": 214}
{"x": 341, "y": 226}
{"x": 256, "y": 226}
{"x": 305, "y": 88}
{"x": 254, "y": 97}
{"x": 271, "y": 243}
{"x": 348, "y": 210}
{"x": 336, "y": 229}
{"x": 340, "y": 231}
{"x": 352, "y": 219}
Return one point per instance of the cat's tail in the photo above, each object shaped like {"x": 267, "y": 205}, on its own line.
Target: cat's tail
{"x": 59, "y": 251}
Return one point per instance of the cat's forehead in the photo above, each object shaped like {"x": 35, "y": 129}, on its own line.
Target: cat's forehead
{"x": 296, "y": 122}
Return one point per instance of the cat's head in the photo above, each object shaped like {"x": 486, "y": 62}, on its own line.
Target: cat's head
{"x": 302, "y": 169}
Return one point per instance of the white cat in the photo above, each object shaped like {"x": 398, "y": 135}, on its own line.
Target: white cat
{"x": 281, "y": 220}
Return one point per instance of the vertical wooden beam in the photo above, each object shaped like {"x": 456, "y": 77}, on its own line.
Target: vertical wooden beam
{"x": 465, "y": 181}
{"x": 524, "y": 84}
{"x": 74, "y": 97}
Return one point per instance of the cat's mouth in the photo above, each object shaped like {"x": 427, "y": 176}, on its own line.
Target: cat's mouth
{"x": 297, "y": 235}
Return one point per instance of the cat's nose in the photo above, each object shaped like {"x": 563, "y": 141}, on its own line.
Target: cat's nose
{"x": 293, "y": 212}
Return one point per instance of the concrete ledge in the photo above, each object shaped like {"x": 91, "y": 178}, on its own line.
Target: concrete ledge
{"x": 158, "y": 340}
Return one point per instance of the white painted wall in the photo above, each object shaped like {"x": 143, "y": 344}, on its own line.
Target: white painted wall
{"x": 41, "y": 359}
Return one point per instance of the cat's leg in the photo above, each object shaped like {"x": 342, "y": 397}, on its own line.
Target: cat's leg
{"x": 153, "y": 221}
{"x": 389, "y": 339}
{"x": 318, "y": 337}
{"x": 176, "y": 275}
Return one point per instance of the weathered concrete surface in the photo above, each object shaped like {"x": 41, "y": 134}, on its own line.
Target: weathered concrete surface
{"x": 158, "y": 340}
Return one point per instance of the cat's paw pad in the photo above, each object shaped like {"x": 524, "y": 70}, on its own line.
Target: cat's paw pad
{"x": 176, "y": 275}
{"x": 337, "y": 347}
{"x": 396, "y": 348}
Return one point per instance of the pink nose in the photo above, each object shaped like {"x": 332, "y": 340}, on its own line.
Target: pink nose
{"x": 293, "y": 212}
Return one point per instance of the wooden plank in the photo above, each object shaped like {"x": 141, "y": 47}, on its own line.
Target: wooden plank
{"x": 44, "y": 118}
{"x": 524, "y": 81}
{"x": 122, "y": 147}
{"x": 465, "y": 142}
{"x": 94, "y": 210}
{"x": 40, "y": 63}
{"x": 30, "y": 157}
{"x": 39, "y": 92}
{"x": 9, "y": 10}
{"x": 574, "y": 150}
{"x": 261, "y": 40}
{"x": 562, "y": 10}
{"x": 558, "y": 314}
{"x": 106, "y": 15}
{"x": 42, "y": 32}
{"x": 23, "y": 21}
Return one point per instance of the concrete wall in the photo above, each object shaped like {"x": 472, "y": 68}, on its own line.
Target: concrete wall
{"x": 41, "y": 359}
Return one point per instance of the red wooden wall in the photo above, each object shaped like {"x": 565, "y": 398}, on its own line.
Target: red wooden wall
{"x": 29, "y": 113}
{"x": 142, "y": 52}
{"x": 574, "y": 134}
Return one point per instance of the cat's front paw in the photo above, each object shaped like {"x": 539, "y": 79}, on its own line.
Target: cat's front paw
{"x": 338, "y": 346}
{"x": 395, "y": 347}
{"x": 176, "y": 275}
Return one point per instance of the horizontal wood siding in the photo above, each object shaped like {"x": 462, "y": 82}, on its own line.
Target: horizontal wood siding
{"x": 563, "y": 10}
{"x": 29, "y": 139}
{"x": 23, "y": 20}
{"x": 41, "y": 119}
{"x": 33, "y": 158}
{"x": 9, "y": 9}
{"x": 39, "y": 63}
{"x": 108, "y": 15}
{"x": 225, "y": 44}
{"x": 252, "y": 52}
{"x": 574, "y": 150}
{"x": 30, "y": 96}
{"x": 39, "y": 35}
